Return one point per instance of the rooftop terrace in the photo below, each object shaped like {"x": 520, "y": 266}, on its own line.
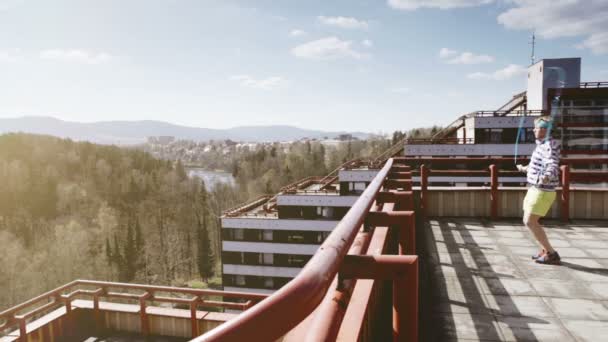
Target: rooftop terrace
{"x": 486, "y": 287}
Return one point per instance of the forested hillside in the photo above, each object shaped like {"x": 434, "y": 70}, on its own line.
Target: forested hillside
{"x": 72, "y": 210}
{"x": 78, "y": 210}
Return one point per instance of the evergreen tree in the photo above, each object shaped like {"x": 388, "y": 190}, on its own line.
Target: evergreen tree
{"x": 205, "y": 256}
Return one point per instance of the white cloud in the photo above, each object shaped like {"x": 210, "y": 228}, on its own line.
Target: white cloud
{"x": 454, "y": 57}
{"x": 269, "y": 83}
{"x": 410, "y": 5}
{"x": 446, "y": 53}
{"x": 506, "y": 73}
{"x": 597, "y": 42}
{"x": 297, "y": 33}
{"x": 400, "y": 90}
{"x": 367, "y": 43}
{"x": 10, "y": 56}
{"x": 326, "y": 49}
{"x": 344, "y": 22}
{"x": 6, "y": 5}
{"x": 76, "y": 56}
{"x": 562, "y": 18}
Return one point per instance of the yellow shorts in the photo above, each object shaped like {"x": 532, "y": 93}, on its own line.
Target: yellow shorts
{"x": 538, "y": 202}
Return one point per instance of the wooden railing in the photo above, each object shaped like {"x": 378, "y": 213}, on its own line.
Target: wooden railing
{"x": 19, "y": 315}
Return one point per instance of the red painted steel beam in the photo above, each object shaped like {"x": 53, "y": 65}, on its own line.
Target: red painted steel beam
{"x": 378, "y": 267}
{"x": 405, "y": 184}
{"x": 493, "y": 191}
{"x": 401, "y": 168}
{"x": 473, "y": 160}
{"x": 400, "y": 175}
{"x": 591, "y": 152}
{"x": 403, "y": 270}
{"x": 458, "y": 172}
{"x": 424, "y": 184}
{"x": 387, "y": 219}
{"x": 276, "y": 315}
{"x": 403, "y": 199}
{"x": 354, "y": 322}
{"x": 403, "y": 221}
{"x": 565, "y": 192}
{"x": 590, "y": 176}
{"x": 326, "y": 321}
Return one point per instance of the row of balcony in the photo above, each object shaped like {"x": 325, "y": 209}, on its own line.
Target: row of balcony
{"x": 265, "y": 259}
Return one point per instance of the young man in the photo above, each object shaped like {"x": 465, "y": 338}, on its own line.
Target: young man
{"x": 543, "y": 177}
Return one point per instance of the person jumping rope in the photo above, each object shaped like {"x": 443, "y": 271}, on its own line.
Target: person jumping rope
{"x": 543, "y": 178}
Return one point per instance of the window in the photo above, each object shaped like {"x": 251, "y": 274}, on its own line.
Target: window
{"x": 242, "y": 257}
{"x": 266, "y": 258}
{"x": 496, "y": 135}
{"x": 327, "y": 212}
{"x": 239, "y": 280}
{"x": 296, "y": 260}
{"x": 267, "y": 235}
{"x": 296, "y": 238}
{"x": 238, "y": 234}
{"x": 268, "y": 283}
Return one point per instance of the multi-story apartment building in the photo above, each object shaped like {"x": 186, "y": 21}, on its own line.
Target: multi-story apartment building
{"x": 267, "y": 242}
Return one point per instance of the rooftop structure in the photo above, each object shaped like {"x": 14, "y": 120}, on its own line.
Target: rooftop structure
{"x": 421, "y": 243}
{"x": 267, "y": 242}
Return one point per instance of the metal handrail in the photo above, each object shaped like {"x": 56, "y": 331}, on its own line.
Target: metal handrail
{"x": 467, "y": 160}
{"x": 41, "y": 303}
{"x": 594, "y": 84}
{"x": 439, "y": 141}
{"x": 276, "y": 315}
{"x": 236, "y": 210}
{"x": 535, "y": 112}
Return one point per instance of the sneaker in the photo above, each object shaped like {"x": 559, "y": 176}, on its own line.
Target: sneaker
{"x": 550, "y": 259}
{"x": 540, "y": 254}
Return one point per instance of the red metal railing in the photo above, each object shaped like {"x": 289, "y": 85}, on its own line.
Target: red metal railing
{"x": 439, "y": 141}
{"x": 567, "y": 177}
{"x": 241, "y": 208}
{"x": 594, "y": 84}
{"x": 63, "y": 296}
{"x": 285, "y": 309}
{"x": 512, "y": 112}
{"x": 491, "y": 160}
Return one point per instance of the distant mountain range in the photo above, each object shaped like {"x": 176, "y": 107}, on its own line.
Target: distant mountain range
{"x": 136, "y": 132}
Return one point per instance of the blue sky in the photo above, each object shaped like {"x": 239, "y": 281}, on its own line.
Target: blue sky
{"x": 363, "y": 65}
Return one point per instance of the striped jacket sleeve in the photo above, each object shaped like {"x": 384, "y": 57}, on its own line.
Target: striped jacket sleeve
{"x": 551, "y": 160}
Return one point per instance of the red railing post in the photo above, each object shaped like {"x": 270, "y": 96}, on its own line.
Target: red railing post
{"x": 493, "y": 191}
{"x": 565, "y": 192}
{"x": 193, "y": 320}
{"x": 405, "y": 305}
{"x": 403, "y": 270}
{"x": 22, "y": 329}
{"x": 143, "y": 316}
{"x": 68, "y": 326}
{"x": 407, "y": 236}
{"x": 424, "y": 182}
{"x": 96, "y": 312}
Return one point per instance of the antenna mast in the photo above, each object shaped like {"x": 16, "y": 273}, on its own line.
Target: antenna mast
{"x": 533, "y": 43}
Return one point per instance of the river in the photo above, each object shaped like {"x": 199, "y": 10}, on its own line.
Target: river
{"x": 211, "y": 178}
